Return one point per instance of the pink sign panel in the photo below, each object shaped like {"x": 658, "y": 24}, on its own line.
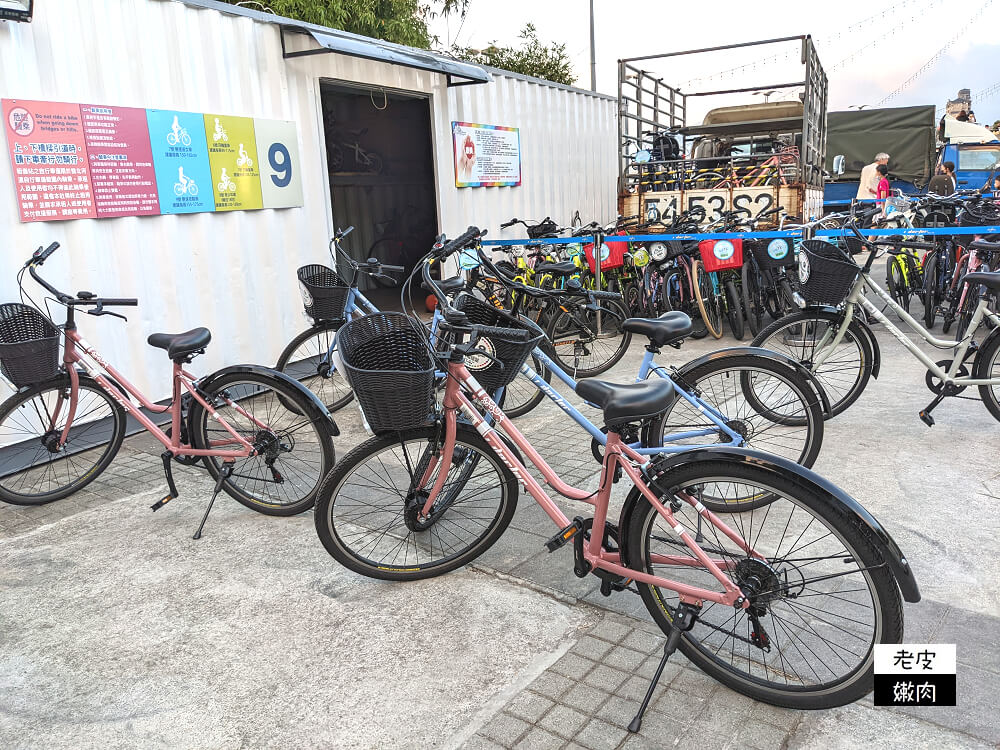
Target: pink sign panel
{"x": 121, "y": 160}
{"x": 48, "y": 158}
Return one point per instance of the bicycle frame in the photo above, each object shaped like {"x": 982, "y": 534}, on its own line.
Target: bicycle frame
{"x": 618, "y": 454}
{"x": 78, "y": 351}
{"x": 828, "y": 344}
{"x": 647, "y": 366}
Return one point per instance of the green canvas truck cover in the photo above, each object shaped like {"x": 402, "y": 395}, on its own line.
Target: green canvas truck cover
{"x": 907, "y": 134}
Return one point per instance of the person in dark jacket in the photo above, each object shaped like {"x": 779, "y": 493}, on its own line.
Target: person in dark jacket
{"x": 944, "y": 183}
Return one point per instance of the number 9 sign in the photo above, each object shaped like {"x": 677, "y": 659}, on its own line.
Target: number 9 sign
{"x": 277, "y": 146}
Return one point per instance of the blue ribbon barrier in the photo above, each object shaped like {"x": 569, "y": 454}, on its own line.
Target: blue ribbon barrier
{"x": 785, "y": 233}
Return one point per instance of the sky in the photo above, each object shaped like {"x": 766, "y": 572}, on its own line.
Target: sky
{"x": 867, "y": 49}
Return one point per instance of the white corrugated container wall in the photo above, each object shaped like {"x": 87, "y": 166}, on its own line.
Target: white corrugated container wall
{"x": 235, "y": 271}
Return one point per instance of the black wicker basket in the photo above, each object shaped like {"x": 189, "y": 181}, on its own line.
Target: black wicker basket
{"x": 772, "y": 253}
{"x": 509, "y": 339}
{"x": 29, "y": 345}
{"x": 387, "y": 364}
{"x": 826, "y": 272}
{"x": 324, "y": 292}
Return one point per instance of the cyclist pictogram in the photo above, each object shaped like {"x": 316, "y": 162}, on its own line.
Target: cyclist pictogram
{"x": 184, "y": 185}
{"x": 243, "y": 160}
{"x": 220, "y": 133}
{"x": 178, "y": 134}
{"x": 226, "y": 184}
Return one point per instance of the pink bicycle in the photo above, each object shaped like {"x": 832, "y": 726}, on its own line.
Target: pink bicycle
{"x": 783, "y": 603}
{"x": 264, "y": 438}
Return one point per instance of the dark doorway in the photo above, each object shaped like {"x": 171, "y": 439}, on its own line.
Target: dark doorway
{"x": 380, "y": 160}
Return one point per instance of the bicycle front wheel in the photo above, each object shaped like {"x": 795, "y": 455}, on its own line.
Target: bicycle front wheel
{"x": 307, "y": 359}
{"x": 34, "y": 467}
{"x": 930, "y": 293}
{"x": 820, "y": 593}
{"x": 708, "y": 304}
{"x": 585, "y": 343}
{"x": 846, "y": 370}
{"x": 293, "y": 450}
{"x": 521, "y": 395}
{"x": 367, "y": 513}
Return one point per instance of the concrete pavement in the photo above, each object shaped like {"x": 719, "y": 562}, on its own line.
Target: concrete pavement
{"x": 118, "y": 630}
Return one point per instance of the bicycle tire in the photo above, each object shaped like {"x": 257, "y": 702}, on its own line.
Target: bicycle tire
{"x": 734, "y": 311}
{"x": 895, "y": 279}
{"x": 797, "y": 335}
{"x": 753, "y": 305}
{"x": 302, "y": 359}
{"x": 295, "y": 428}
{"x": 987, "y": 365}
{"x": 968, "y": 308}
{"x": 562, "y": 333}
{"x": 521, "y": 395}
{"x": 704, "y": 295}
{"x": 338, "y": 544}
{"x": 743, "y": 666}
{"x": 705, "y": 180}
{"x": 930, "y": 295}
{"x": 779, "y": 404}
{"x": 105, "y": 427}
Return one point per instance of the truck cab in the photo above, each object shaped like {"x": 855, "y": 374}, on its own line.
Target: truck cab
{"x": 974, "y": 150}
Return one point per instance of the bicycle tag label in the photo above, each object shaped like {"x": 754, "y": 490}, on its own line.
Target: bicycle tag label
{"x": 477, "y": 362}
{"x": 804, "y": 269}
{"x": 723, "y": 249}
{"x": 777, "y": 249}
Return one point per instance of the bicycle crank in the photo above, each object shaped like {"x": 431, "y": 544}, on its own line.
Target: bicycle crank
{"x": 940, "y": 388}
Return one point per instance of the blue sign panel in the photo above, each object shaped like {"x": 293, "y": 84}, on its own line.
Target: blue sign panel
{"x": 180, "y": 155}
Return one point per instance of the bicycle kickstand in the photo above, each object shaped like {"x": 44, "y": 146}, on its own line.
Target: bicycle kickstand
{"x": 683, "y": 621}
{"x": 224, "y": 473}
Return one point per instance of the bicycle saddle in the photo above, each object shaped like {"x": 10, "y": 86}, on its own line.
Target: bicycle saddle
{"x": 666, "y": 329}
{"x": 627, "y": 402}
{"x": 564, "y": 268}
{"x": 449, "y": 286}
{"x": 179, "y": 346}
{"x": 985, "y": 244}
{"x": 990, "y": 280}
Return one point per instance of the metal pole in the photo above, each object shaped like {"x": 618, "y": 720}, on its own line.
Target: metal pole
{"x": 593, "y": 51}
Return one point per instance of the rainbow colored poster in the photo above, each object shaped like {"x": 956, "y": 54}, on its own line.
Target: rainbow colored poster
{"x": 486, "y": 155}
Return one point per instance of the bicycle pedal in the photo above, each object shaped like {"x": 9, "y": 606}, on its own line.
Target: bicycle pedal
{"x": 926, "y": 418}
{"x": 564, "y": 536}
{"x": 160, "y": 503}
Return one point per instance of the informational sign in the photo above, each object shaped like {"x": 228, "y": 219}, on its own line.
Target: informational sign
{"x": 183, "y": 174}
{"x": 86, "y": 161}
{"x": 232, "y": 153}
{"x": 278, "y": 157}
{"x": 915, "y": 674}
{"x": 48, "y": 158}
{"x": 121, "y": 162}
{"x": 486, "y": 155}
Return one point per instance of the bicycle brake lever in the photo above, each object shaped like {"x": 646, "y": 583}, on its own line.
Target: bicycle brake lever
{"x": 99, "y": 310}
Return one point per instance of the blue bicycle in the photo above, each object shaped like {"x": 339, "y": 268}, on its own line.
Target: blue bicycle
{"x": 330, "y": 300}
{"x": 742, "y": 397}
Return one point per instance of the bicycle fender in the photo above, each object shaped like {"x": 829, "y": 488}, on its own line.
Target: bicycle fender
{"x": 831, "y": 493}
{"x": 319, "y": 413}
{"x": 756, "y": 351}
{"x": 978, "y": 365}
{"x": 865, "y": 329}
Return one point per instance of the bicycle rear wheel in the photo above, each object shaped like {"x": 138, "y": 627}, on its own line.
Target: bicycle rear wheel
{"x": 820, "y": 593}
{"x": 930, "y": 294}
{"x": 896, "y": 281}
{"x": 367, "y": 510}
{"x": 34, "y": 467}
{"x": 585, "y": 343}
{"x": 708, "y": 303}
{"x": 293, "y": 449}
{"x": 306, "y": 359}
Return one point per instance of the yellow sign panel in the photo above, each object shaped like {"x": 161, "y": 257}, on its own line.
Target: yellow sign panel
{"x": 232, "y": 154}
